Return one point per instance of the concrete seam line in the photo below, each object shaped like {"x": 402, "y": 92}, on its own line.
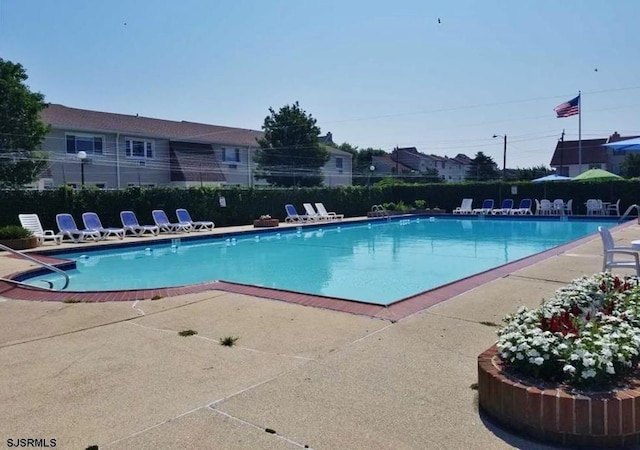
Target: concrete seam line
{"x": 227, "y": 397}
{"x": 153, "y": 426}
{"x": 255, "y": 426}
{"x": 369, "y": 335}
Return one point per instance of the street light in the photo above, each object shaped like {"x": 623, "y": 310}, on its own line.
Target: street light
{"x": 504, "y": 155}
{"x": 82, "y": 156}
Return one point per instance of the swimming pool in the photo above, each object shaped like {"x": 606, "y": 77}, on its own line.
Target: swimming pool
{"x": 377, "y": 262}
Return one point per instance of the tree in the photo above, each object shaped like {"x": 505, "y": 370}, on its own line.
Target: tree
{"x": 530, "y": 173}
{"x": 289, "y": 153}
{"x": 21, "y": 130}
{"x": 631, "y": 166}
{"x": 482, "y": 168}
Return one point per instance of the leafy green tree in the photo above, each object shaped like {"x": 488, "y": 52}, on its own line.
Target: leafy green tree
{"x": 21, "y": 130}
{"x": 529, "y": 173}
{"x": 631, "y": 166}
{"x": 289, "y": 153}
{"x": 482, "y": 168}
{"x": 362, "y": 160}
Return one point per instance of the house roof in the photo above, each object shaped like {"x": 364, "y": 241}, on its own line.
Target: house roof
{"x": 59, "y": 116}
{"x": 385, "y": 161}
{"x": 567, "y": 153}
{"x": 194, "y": 162}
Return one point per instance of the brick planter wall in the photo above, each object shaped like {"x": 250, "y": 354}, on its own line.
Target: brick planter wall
{"x": 549, "y": 413}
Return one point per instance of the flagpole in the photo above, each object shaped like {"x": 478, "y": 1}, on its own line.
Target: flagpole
{"x": 579, "y": 133}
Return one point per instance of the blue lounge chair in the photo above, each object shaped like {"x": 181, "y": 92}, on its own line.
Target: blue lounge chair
{"x": 523, "y": 208}
{"x": 487, "y": 206}
{"x": 92, "y": 222}
{"x": 68, "y": 228}
{"x": 185, "y": 218}
{"x": 292, "y": 214}
{"x": 505, "y": 208}
{"x": 162, "y": 221}
{"x": 130, "y": 225}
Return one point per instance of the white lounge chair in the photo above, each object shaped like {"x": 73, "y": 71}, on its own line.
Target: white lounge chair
{"x": 487, "y": 206}
{"x": 68, "y": 228}
{"x": 130, "y": 225}
{"x": 465, "y": 207}
{"x": 292, "y": 214}
{"x": 32, "y": 223}
{"x": 92, "y": 222}
{"x": 610, "y": 251}
{"x": 198, "y": 225}
{"x": 312, "y": 214}
{"x": 162, "y": 221}
{"x": 330, "y": 215}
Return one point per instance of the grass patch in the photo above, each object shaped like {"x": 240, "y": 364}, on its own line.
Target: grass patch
{"x": 185, "y": 333}
{"x": 228, "y": 341}
{"x": 156, "y": 297}
{"x": 71, "y": 300}
{"x": 488, "y": 323}
{"x": 474, "y": 386}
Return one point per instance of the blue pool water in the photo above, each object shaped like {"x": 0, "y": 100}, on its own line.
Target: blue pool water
{"x": 379, "y": 262}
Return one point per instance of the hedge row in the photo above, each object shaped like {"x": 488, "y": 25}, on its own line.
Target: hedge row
{"x": 244, "y": 205}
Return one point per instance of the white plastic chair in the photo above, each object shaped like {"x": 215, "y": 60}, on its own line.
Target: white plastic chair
{"x": 610, "y": 250}
{"x": 614, "y": 208}
{"x": 465, "y": 207}
{"x": 546, "y": 207}
{"x": 558, "y": 206}
{"x": 32, "y": 223}
{"x": 568, "y": 207}
{"x": 594, "y": 207}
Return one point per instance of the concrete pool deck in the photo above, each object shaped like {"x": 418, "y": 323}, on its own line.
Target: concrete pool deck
{"x": 118, "y": 375}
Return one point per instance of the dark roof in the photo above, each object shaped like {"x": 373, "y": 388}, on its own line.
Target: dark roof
{"x": 387, "y": 162}
{"x": 59, "y": 116}
{"x": 194, "y": 162}
{"x": 592, "y": 152}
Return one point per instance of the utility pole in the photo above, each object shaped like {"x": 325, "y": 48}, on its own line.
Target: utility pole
{"x": 561, "y": 153}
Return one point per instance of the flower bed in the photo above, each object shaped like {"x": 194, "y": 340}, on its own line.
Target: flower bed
{"x": 581, "y": 350}
{"x": 265, "y": 223}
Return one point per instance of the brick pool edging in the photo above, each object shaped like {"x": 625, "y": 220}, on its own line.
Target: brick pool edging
{"x": 551, "y": 414}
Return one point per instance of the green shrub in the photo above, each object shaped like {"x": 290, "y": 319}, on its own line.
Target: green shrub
{"x": 14, "y": 232}
{"x": 420, "y": 204}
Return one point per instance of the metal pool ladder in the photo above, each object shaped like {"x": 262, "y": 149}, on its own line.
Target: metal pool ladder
{"x": 38, "y": 262}
{"x": 628, "y": 211}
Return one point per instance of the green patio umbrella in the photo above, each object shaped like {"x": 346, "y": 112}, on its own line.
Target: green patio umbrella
{"x": 595, "y": 175}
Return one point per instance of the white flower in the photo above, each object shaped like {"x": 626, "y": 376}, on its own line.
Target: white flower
{"x": 568, "y": 368}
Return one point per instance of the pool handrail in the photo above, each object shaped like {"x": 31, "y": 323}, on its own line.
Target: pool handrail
{"x": 40, "y": 263}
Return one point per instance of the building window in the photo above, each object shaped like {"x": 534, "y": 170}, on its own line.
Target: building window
{"x": 339, "y": 163}
{"x": 231, "y": 155}
{"x": 92, "y": 145}
{"x": 136, "y": 148}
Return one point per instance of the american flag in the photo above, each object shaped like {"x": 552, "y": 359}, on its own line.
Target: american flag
{"x": 567, "y": 109}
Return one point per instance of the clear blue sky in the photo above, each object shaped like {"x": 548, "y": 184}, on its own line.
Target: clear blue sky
{"x": 374, "y": 73}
